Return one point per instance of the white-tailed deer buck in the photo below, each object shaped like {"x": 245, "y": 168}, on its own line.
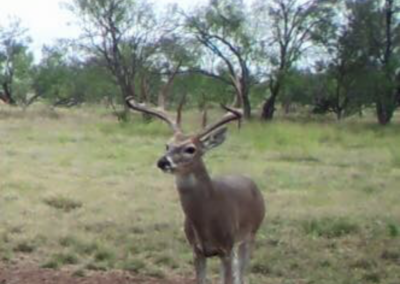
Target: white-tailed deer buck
{"x": 222, "y": 214}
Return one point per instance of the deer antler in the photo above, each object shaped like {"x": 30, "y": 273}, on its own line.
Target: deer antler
{"x": 231, "y": 115}
{"x": 161, "y": 114}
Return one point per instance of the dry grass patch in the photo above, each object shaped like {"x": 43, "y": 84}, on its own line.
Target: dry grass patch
{"x": 79, "y": 189}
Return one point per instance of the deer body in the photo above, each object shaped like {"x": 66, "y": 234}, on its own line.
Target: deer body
{"x": 222, "y": 214}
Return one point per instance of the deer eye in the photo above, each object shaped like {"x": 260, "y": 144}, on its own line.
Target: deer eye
{"x": 190, "y": 150}
{"x": 166, "y": 147}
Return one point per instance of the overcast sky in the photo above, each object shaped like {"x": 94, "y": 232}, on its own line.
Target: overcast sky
{"x": 46, "y": 20}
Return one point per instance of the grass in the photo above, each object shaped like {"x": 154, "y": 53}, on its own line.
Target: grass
{"x": 329, "y": 227}
{"x": 62, "y": 203}
{"x": 78, "y": 189}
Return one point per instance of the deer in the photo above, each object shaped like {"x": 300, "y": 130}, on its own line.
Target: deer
{"x": 222, "y": 214}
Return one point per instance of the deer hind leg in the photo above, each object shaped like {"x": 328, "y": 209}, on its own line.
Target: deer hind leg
{"x": 200, "y": 265}
{"x": 244, "y": 258}
{"x": 230, "y": 268}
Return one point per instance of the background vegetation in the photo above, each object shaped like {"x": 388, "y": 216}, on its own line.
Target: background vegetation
{"x": 330, "y": 56}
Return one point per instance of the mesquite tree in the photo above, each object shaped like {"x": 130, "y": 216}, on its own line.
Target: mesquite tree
{"x": 15, "y": 63}
{"x": 382, "y": 30}
{"x": 124, "y": 34}
{"x": 221, "y": 30}
{"x": 288, "y": 27}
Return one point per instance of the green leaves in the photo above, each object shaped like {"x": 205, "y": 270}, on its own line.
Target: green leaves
{"x": 15, "y": 62}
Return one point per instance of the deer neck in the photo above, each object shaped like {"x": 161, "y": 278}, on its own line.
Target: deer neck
{"x": 197, "y": 181}
{"x": 195, "y": 188}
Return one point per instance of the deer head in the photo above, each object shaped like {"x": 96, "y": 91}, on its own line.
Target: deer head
{"x": 183, "y": 152}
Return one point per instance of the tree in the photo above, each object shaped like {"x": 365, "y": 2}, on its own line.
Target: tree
{"x": 221, "y": 29}
{"x": 64, "y": 80}
{"x": 55, "y": 76}
{"x": 292, "y": 24}
{"x": 387, "y": 98}
{"x": 299, "y": 89}
{"x": 124, "y": 34}
{"x": 343, "y": 66}
{"x": 379, "y": 35}
{"x": 15, "y": 63}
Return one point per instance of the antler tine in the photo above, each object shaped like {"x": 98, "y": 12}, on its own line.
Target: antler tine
{"x": 157, "y": 113}
{"x": 231, "y": 115}
{"x": 237, "y": 112}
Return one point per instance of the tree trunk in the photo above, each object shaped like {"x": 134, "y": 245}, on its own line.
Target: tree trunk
{"x": 339, "y": 114}
{"x": 384, "y": 113}
{"x": 7, "y": 95}
{"x": 268, "y": 109}
{"x": 360, "y": 112}
{"x": 246, "y": 105}
{"x": 242, "y": 100}
{"x": 288, "y": 107}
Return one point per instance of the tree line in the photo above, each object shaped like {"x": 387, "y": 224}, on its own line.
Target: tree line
{"x": 332, "y": 56}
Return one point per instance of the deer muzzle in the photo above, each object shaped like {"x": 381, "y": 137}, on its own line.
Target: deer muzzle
{"x": 165, "y": 164}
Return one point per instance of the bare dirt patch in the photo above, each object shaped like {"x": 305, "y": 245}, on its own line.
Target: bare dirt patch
{"x": 28, "y": 274}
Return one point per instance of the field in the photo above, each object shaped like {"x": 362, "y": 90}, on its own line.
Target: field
{"x": 80, "y": 192}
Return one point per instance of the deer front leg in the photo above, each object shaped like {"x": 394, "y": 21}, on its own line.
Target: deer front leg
{"x": 200, "y": 265}
{"x": 230, "y": 268}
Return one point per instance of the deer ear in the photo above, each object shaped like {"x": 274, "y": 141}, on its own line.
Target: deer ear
{"x": 214, "y": 139}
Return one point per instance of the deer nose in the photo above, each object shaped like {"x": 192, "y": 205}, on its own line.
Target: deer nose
{"x": 163, "y": 163}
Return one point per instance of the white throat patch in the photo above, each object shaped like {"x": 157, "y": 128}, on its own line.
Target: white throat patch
{"x": 186, "y": 181}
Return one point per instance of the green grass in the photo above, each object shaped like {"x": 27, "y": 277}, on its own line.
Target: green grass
{"x": 79, "y": 189}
